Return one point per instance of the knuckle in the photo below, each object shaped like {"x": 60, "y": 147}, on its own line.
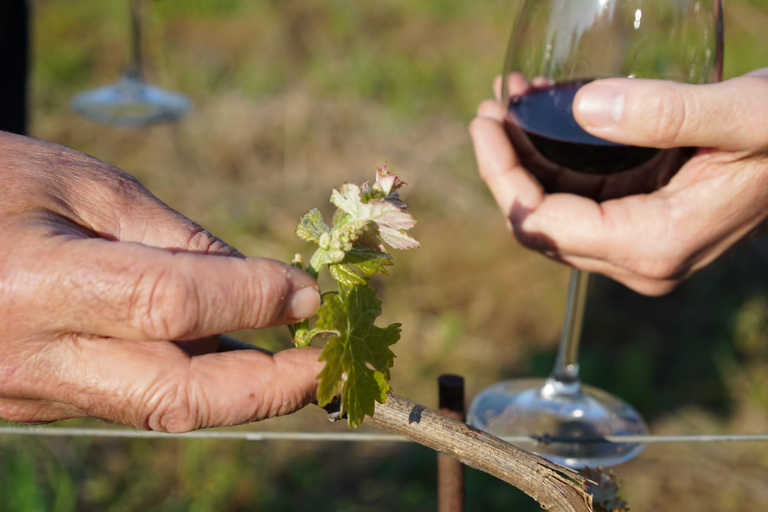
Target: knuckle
{"x": 268, "y": 299}
{"x": 654, "y": 269}
{"x": 125, "y": 187}
{"x": 274, "y": 402}
{"x": 669, "y": 115}
{"x": 170, "y": 410}
{"x": 749, "y": 110}
{"x": 165, "y": 304}
{"x": 202, "y": 241}
{"x": 279, "y": 405}
{"x": 667, "y": 264}
{"x": 172, "y": 418}
{"x": 671, "y": 256}
{"x": 110, "y": 184}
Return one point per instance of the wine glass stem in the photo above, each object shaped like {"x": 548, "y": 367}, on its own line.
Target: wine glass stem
{"x": 566, "y": 372}
{"x": 135, "y": 60}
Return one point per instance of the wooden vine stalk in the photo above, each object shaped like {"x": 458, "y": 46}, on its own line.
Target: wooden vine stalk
{"x": 554, "y": 487}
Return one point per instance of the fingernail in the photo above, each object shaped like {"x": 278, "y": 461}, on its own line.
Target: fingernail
{"x": 303, "y": 303}
{"x": 601, "y": 107}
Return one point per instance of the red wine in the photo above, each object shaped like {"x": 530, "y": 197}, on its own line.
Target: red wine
{"x": 546, "y": 117}
{"x": 566, "y": 158}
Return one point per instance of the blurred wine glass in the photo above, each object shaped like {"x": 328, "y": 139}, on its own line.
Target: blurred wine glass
{"x": 131, "y": 101}
{"x": 556, "y": 47}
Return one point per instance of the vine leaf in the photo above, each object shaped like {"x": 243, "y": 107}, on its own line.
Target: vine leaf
{"x": 357, "y": 355}
{"x": 311, "y": 226}
{"x": 604, "y": 488}
{"x": 379, "y": 205}
{"x": 345, "y": 275}
{"x": 389, "y": 220}
{"x": 368, "y": 261}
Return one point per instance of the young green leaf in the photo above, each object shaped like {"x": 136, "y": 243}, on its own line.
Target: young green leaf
{"x": 357, "y": 356}
{"x": 345, "y": 275}
{"x": 389, "y": 221}
{"x": 311, "y": 226}
{"x": 368, "y": 261}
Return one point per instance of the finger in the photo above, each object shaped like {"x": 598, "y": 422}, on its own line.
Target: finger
{"x": 492, "y": 110}
{"x": 153, "y": 223}
{"x": 563, "y": 225}
{"x": 642, "y": 284}
{"x": 538, "y": 219}
{"x": 158, "y": 386}
{"x": 650, "y": 242}
{"x": 728, "y": 115}
{"x": 128, "y": 290}
{"x": 640, "y": 234}
{"x": 515, "y": 84}
{"x": 499, "y": 166}
{"x": 113, "y": 204}
{"x": 759, "y": 73}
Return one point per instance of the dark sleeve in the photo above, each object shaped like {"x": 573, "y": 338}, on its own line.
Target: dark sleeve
{"x": 14, "y": 60}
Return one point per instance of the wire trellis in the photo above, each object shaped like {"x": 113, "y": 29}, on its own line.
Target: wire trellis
{"x": 245, "y": 435}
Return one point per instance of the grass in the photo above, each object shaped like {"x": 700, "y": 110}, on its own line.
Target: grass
{"x": 294, "y": 98}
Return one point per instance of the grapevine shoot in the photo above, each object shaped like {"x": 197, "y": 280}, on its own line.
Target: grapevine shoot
{"x": 357, "y": 354}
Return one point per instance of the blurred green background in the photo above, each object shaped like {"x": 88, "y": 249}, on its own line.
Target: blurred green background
{"x": 294, "y": 97}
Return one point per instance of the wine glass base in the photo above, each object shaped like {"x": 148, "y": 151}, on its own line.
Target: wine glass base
{"x": 568, "y": 429}
{"x": 131, "y": 103}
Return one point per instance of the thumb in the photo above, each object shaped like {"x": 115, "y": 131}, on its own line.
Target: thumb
{"x": 728, "y": 115}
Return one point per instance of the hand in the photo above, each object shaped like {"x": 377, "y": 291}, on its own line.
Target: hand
{"x": 649, "y": 242}
{"x": 111, "y": 304}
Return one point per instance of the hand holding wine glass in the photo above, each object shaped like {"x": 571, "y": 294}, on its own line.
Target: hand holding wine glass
{"x": 649, "y": 242}
{"x": 542, "y": 165}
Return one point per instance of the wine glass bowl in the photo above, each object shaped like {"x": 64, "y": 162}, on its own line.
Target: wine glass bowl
{"x": 131, "y": 102}
{"x": 558, "y": 46}
{"x": 567, "y": 428}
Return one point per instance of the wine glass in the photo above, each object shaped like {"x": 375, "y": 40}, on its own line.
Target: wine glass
{"x": 131, "y": 102}
{"x": 556, "y": 47}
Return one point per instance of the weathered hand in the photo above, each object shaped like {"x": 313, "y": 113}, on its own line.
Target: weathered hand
{"x": 111, "y": 304}
{"x": 649, "y": 242}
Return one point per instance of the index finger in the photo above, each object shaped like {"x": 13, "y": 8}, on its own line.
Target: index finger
{"x": 499, "y": 166}
{"x": 128, "y": 290}
{"x": 727, "y": 115}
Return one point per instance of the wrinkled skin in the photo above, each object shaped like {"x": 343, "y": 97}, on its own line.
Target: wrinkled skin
{"x": 649, "y": 242}
{"x": 111, "y": 304}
